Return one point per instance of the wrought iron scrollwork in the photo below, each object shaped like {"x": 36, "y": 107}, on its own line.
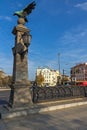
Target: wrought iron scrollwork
{"x": 50, "y": 93}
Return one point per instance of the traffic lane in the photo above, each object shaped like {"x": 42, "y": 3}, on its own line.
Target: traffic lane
{"x": 4, "y": 93}
{"x": 4, "y": 96}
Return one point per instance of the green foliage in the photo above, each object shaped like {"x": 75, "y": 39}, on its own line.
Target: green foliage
{"x": 5, "y": 81}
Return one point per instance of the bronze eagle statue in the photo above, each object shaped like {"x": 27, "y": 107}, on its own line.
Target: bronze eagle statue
{"x": 26, "y": 11}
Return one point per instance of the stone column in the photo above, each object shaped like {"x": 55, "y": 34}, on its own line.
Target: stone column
{"x": 20, "y": 95}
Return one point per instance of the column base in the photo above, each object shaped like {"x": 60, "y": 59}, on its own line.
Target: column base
{"x": 20, "y": 95}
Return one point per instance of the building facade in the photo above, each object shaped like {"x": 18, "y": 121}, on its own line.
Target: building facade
{"x": 50, "y": 76}
{"x": 79, "y": 72}
{"x": 2, "y": 74}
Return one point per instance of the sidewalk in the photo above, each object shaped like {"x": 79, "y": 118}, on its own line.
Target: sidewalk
{"x": 42, "y": 107}
{"x": 73, "y": 118}
{"x": 4, "y": 89}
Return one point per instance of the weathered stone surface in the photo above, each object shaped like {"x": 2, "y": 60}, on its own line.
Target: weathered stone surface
{"x": 20, "y": 70}
{"x": 20, "y": 65}
{"x": 20, "y": 92}
{"x": 22, "y": 95}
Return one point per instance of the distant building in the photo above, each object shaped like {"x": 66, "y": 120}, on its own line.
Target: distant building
{"x": 2, "y": 74}
{"x": 50, "y": 76}
{"x": 65, "y": 79}
{"x": 79, "y": 72}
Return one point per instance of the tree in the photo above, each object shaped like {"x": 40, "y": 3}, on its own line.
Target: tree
{"x": 5, "y": 80}
{"x": 9, "y": 80}
{"x": 0, "y": 82}
{"x": 39, "y": 79}
{"x": 65, "y": 79}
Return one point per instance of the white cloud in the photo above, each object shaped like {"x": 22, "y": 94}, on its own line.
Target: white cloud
{"x": 5, "y": 64}
{"x": 1, "y": 17}
{"x": 73, "y": 45}
{"x": 51, "y": 63}
{"x": 6, "y": 18}
{"x": 75, "y": 36}
{"x": 82, "y": 6}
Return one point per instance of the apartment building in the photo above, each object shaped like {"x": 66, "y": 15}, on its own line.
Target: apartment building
{"x": 79, "y": 72}
{"x": 2, "y": 74}
{"x": 50, "y": 75}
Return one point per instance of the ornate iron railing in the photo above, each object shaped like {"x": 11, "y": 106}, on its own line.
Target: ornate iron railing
{"x": 40, "y": 94}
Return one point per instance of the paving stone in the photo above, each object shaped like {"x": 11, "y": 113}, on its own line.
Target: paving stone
{"x": 2, "y": 125}
{"x": 74, "y": 118}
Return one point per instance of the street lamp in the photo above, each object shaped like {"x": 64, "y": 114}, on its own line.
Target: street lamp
{"x": 26, "y": 38}
{"x": 59, "y": 77}
{"x": 59, "y": 62}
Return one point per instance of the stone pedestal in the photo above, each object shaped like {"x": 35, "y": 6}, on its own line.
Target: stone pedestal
{"x": 20, "y": 95}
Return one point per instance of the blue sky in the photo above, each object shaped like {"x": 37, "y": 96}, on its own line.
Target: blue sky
{"x": 57, "y": 26}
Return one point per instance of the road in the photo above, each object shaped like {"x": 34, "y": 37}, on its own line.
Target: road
{"x": 4, "y": 96}
{"x": 74, "y": 118}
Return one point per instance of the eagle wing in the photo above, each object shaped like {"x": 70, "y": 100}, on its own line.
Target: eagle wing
{"x": 29, "y": 8}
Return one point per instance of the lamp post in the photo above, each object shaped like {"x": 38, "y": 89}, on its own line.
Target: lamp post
{"x": 59, "y": 62}
{"x": 26, "y": 38}
{"x": 63, "y": 76}
{"x": 59, "y": 80}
